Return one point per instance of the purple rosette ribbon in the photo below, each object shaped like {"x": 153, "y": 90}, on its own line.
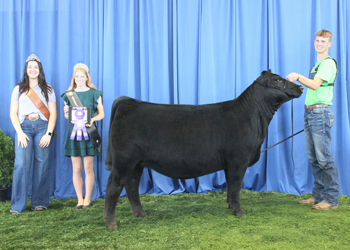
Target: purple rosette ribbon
{"x": 79, "y": 126}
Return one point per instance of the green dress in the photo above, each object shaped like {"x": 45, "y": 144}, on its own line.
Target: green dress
{"x": 81, "y": 148}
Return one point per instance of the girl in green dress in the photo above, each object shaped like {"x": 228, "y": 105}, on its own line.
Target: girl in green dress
{"x": 83, "y": 151}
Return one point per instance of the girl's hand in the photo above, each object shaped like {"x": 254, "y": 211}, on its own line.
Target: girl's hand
{"x": 22, "y": 139}
{"x": 65, "y": 108}
{"x": 45, "y": 141}
{"x": 91, "y": 122}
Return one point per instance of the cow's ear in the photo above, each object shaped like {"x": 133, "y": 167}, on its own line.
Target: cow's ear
{"x": 264, "y": 72}
{"x": 269, "y": 71}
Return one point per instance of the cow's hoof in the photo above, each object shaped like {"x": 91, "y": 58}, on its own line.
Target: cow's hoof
{"x": 239, "y": 214}
{"x": 112, "y": 226}
{"x": 141, "y": 214}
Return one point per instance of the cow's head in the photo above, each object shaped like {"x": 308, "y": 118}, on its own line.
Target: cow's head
{"x": 280, "y": 87}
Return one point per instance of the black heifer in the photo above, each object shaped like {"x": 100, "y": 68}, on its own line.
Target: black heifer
{"x": 186, "y": 141}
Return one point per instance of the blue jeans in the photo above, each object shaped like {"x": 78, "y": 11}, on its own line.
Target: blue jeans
{"x": 35, "y": 130}
{"x": 318, "y": 123}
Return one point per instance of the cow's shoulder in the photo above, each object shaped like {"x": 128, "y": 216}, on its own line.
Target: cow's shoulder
{"x": 124, "y": 99}
{"x": 123, "y": 103}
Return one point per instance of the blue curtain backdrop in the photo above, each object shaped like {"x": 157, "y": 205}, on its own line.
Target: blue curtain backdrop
{"x": 181, "y": 52}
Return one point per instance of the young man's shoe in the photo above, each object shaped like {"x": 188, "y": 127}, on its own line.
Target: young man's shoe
{"x": 323, "y": 206}
{"x": 308, "y": 202}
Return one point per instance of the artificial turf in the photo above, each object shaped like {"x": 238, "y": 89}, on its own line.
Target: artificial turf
{"x": 181, "y": 221}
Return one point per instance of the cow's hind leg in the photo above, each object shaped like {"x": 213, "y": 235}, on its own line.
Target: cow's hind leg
{"x": 113, "y": 190}
{"x": 132, "y": 190}
{"x": 228, "y": 184}
{"x": 234, "y": 179}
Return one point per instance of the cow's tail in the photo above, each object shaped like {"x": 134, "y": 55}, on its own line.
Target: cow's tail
{"x": 108, "y": 159}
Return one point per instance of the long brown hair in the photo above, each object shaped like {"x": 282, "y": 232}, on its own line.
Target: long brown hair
{"x": 24, "y": 84}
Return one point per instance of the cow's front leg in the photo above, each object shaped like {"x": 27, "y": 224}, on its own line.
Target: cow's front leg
{"x": 234, "y": 179}
{"x": 113, "y": 190}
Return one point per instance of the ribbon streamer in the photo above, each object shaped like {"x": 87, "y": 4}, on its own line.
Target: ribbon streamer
{"x": 79, "y": 126}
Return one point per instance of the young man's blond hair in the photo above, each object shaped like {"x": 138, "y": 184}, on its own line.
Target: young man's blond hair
{"x": 324, "y": 34}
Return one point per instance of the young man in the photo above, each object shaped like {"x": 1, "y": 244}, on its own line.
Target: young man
{"x": 318, "y": 121}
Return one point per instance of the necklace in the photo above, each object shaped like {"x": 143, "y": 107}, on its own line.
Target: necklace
{"x": 33, "y": 87}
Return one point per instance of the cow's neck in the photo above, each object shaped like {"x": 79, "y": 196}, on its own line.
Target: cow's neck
{"x": 260, "y": 104}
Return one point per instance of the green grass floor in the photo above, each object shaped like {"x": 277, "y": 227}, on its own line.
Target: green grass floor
{"x": 181, "y": 221}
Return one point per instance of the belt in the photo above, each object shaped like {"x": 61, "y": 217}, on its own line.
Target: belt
{"x": 32, "y": 117}
{"x": 315, "y": 106}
